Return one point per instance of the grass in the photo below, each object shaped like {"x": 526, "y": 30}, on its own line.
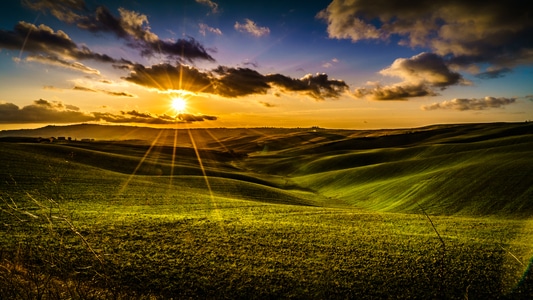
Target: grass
{"x": 77, "y": 222}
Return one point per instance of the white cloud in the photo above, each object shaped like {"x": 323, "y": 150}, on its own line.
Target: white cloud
{"x": 204, "y": 28}
{"x": 251, "y": 27}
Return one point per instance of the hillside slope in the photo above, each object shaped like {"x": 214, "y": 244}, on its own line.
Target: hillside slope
{"x": 465, "y": 169}
{"x": 488, "y": 174}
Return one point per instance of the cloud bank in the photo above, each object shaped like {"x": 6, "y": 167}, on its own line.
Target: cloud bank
{"x": 233, "y": 82}
{"x": 461, "y": 104}
{"x": 44, "y": 111}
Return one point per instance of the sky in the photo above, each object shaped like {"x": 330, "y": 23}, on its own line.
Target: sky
{"x": 353, "y": 64}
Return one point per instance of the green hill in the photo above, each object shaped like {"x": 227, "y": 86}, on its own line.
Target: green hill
{"x": 488, "y": 176}
{"x": 466, "y": 169}
{"x": 270, "y": 214}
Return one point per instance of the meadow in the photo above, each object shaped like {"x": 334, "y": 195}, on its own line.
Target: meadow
{"x": 436, "y": 212}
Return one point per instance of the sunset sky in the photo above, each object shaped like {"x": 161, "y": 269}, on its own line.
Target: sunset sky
{"x": 337, "y": 64}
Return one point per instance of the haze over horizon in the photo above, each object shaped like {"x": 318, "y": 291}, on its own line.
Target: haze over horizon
{"x": 206, "y": 63}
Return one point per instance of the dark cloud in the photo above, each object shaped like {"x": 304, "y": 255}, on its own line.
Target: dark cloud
{"x": 395, "y": 92}
{"x": 267, "y": 104}
{"x": 471, "y": 104}
{"x": 134, "y": 28}
{"x": 470, "y": 32}
{"x": 317, "y": 86}
{"x": 117, "y": 94}
{"x": 232, "y": 82}
{"x": 129, "y": 25}
{"x": 84, "y": 89}
{"x": 235, "y": 82}
{"x": 321, "y": 87}
{"x": 35, "y": 39}
{"x": 170, "y": 77}
{"x": 64, "y": 10}
{"x": 44, "y": 111}
{"x": 494, "y": 73}
{"x": 50, "y": 46}
{"x": 190, "y": 49}
{"x": 254, "y": 64}
{"x": 189, "y": 118}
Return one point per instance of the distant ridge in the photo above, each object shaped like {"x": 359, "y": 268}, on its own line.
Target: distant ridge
{"x": 128, "y": 132}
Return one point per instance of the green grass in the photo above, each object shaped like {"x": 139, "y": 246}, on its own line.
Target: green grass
{"x": 77, "y": 222}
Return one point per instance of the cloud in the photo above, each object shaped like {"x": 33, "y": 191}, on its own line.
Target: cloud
{"x": 211, "y": 4}
{"x": 395, "y": 92}
{"x": 52, "y": 88}
{"x": 51, "y": 45}
{"x": 134, "y": 28}
{"x": 254, "y": 64}
{"x": 189, "y": 118}
{"x": 232, "y": 82}
{"x": 64, "y": 10}
{"x": 55, "y": 61}
{"x": 204, "y": 28}
{"x": 329, "y": 64}
{"x": 111, "y": 93}
{"x": 131, "y": 26}
{"x": 236, "y": 82}
{"x": 31, "y": 38}
{"x": 44, "y": 111}
{"x": 471, "y": 104}
{"x": 250, "y": 27}
{"x": 427, "y": 68}
{"x": 492, "y": 73}
{"x": 469, "y": 32}
{"x": 421, "y": 74}
{"x": 266, "y": 104}
{"x": 147, "y": 118}
{"x": 317, "y": 86}
{"x": 169, "y": 77}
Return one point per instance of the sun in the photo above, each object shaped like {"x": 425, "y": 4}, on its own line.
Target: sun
{"x": 179, "y": 104}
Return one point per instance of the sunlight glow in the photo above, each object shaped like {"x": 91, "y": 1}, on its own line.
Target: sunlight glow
{"x": 179, "y": 104}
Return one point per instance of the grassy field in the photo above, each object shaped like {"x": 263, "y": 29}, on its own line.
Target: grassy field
{"x": 435, "y": 212}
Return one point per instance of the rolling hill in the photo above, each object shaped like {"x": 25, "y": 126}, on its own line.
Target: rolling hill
{"x": 465, "y": 169}
{"x": 441, "y": 211}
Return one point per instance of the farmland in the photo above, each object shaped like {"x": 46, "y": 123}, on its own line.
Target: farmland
{"x": 435, "y": 212}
